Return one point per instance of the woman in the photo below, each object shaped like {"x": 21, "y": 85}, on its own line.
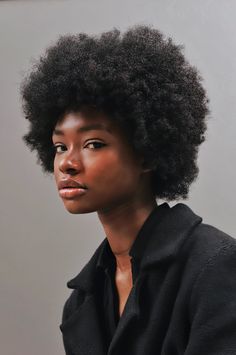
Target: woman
{"x": 118, "y": 119}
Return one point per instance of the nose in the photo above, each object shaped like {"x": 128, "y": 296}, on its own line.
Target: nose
{"x": 70, "y": 164}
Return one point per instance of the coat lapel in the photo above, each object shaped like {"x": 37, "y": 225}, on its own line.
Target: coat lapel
{"x": 167, "y": 237}
{"x": 82, "y": 330}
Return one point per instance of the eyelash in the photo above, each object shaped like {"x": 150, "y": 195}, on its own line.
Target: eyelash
{"x": 94, "y": 142}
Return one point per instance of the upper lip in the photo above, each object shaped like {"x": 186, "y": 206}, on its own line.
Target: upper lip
{"x": 70, "y": 183}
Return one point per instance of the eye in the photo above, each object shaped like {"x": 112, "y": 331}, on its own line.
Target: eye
{"x": 95, "y": 144}
{"x": 59, "y": 148}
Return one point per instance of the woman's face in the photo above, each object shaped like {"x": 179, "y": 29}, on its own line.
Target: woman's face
{"x": 94, "y": 152}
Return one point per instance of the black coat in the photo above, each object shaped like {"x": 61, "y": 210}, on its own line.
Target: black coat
{"x": 183, "y": 301}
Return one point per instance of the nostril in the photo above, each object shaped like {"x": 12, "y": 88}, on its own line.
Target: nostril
{"x": 71, "y": 171}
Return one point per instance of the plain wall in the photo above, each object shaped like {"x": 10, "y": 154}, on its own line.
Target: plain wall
{"x": 42, "y": 245}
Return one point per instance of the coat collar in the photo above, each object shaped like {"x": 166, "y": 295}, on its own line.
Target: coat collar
{"x": 167, "y": 236}
{"x": 165, "y": 228}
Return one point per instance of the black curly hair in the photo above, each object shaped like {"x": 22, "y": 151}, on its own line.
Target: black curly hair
{"x": 140, "y": 79}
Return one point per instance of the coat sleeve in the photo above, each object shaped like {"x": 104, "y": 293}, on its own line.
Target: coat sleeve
{"x": 213, "y": 306}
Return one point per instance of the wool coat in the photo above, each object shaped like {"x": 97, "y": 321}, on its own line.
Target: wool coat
{"x": 183, "y": 301}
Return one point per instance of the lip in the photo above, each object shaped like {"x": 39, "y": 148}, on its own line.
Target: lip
{"x": 69, "y": 183}
{"x": 71, "y": 192}
{"x": 69, "y": 188}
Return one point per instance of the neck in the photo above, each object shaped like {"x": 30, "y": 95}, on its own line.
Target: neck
{"x": 121, "y": 226}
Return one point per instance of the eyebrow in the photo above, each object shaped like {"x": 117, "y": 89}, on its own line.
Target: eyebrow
{"x": 95, "y": 126}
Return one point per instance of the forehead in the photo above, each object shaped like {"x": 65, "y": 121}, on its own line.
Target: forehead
{"x": 84, "y": 121}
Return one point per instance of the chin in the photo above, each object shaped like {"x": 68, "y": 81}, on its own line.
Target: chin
{"x": 73, "y": 208}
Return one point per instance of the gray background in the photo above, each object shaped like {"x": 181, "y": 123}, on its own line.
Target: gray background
{"x": 42, "y": 245}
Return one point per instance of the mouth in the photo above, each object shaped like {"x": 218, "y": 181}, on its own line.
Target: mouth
{"x": 69, "y": 192}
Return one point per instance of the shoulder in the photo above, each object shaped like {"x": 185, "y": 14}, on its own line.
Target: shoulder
{"x": 209, "y": 281}
{"x": 198, "y": 242}
{"x": 206, "y": 242}
{"x": 214, "y": 285}
{"x": 200, "y": 239}
{"x": 207, "y": 254}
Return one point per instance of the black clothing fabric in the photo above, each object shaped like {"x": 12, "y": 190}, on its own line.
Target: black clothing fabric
{"x": 183, "y": 301}
{"x": 109, "y": 296}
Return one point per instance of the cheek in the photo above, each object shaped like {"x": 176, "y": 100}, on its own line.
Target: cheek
{"x": 55, "y": 169}
{"x": 112, "y": 170}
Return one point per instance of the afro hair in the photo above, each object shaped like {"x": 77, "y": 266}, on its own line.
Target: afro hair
{"x": 140, "y": 79}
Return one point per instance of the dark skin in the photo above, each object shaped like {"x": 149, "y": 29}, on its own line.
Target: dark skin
{"x": 117, "y": 184}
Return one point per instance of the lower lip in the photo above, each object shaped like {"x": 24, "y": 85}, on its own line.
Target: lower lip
{"x": 71, "y": 192}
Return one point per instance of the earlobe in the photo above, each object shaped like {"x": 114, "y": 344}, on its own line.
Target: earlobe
{"x": 144, "y": 165}
{"x": 145, "y": 168}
